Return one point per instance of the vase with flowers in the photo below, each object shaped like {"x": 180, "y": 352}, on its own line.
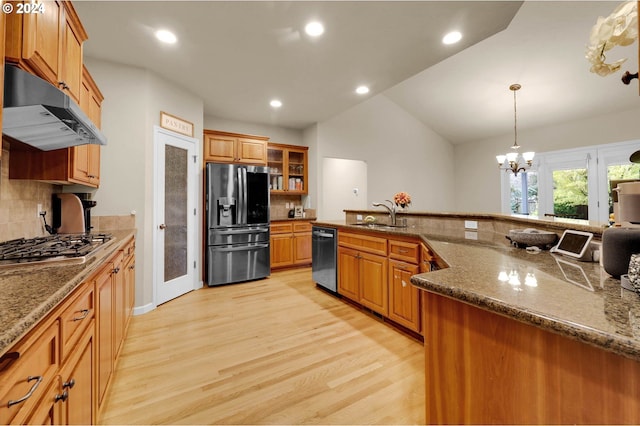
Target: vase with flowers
{"x": 402, "y": 199}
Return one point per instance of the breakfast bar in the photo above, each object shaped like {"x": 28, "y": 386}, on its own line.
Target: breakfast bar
{"x": 518, "y": 336}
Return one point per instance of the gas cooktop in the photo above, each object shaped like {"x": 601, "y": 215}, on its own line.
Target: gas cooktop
{"x": 63, "y": 247}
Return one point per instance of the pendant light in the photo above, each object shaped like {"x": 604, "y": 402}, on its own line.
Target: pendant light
{"x": 512, "y": 161}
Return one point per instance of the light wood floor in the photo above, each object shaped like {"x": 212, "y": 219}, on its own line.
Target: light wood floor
{"x": 275, "y": 351}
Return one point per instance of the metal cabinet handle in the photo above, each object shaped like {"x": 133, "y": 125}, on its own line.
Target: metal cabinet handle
{"x": 63, "y": 397}
{"x": 71, "y": 383}
{"x": 84, "y": 312}
{"x": 63, "y": 85}
{"x": 162, "y": 226}
{"x": 132, "y": 267}
{"x": 116, "y": 270}
{"x": 38, "y": 380}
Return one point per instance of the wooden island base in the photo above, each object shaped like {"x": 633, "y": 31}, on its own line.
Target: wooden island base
{"x": 484, "y": 368}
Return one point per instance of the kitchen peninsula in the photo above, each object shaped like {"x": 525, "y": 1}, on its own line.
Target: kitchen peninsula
{"x": 513, "y": 336}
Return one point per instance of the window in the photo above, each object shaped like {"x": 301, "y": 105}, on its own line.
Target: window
{"x": 571, "y": 193}
{"x": 574, "y": 183}
{"x": 524, "y": 183}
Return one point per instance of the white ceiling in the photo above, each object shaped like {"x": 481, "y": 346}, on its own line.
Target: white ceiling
{"x": 239, "y": 55}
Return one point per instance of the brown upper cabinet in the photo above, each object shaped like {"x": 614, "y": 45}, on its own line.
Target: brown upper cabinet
{"x": 48, "y": 44}
{"x": 224, "y": 147}
{"x": 288, "y": 169}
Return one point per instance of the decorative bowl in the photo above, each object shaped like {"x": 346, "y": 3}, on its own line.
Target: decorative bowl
{"x": 532, "y": 237}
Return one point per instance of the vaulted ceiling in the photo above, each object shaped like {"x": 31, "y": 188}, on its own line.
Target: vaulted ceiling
{"x": 237, "y": 56}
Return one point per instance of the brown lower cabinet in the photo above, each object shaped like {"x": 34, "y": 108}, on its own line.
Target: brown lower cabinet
{"x": 290, "y": 243}
{"x": 60, "y": 371}
{"x": 376, "y": 273}
{"x": 362, "y": 277}
{"x": 404, "y": 299}
{"x": 482, "y": 367}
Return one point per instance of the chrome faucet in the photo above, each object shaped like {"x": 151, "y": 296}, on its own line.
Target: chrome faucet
{"x": 391, "y": 210}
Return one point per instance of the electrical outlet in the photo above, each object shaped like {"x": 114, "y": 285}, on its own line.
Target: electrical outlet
{"x": 39, "y": 210}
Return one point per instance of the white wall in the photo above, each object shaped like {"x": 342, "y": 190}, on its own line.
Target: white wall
{"x": 133, "y": 100}
{"x": 310, "y": 139}
{"x": 477, "y": 187}
{"x": 401, "y": 153}
{"x": 344, "y": 186}
{"x": 275, "y": 134}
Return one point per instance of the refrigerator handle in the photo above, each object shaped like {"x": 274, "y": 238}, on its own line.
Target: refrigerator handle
{"x": 244, "y": 196}
{"x": 239, "y": 206}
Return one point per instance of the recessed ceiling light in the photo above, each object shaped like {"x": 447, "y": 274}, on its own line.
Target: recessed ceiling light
{"x": 452, "y": 37}
{"x": 362, "y": 90}
{"x": 275, "y": 103}
{"x": 166, "y": 36}
{"x": 314, "y": 29}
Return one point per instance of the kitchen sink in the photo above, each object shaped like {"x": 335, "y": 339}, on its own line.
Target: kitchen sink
{"x": 377, "y": 225}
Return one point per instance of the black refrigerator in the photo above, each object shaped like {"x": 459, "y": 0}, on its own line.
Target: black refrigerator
{"x": 237, "y": 211}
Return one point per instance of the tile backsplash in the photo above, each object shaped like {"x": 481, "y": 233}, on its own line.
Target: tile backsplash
{"x": 279, "y": 208}
{"x": 19, "y": 201}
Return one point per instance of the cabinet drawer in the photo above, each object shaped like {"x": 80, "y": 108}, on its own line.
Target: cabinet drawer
{"x": 129, "y": 248}
{"x": 403, "y": 250}
{"x": 301, "y": 227}
{"x": 24, "y": 380}
{"x": 368, "y": 243}
{"x": 281, "y": 227}
{"x": 76, "y": 317}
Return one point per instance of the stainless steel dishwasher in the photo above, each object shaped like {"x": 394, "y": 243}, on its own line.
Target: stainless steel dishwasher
{"x": 324, "y": 257}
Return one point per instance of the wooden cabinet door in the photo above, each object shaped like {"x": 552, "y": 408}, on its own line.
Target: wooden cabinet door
{"x": 281, "y": 250}
{"x": 85, "y": 165}
{"x": 373, "y": 282}
{"x": 105, "y": 330}
{"x": 404, "y": 298}
{"x": 288, "y": 162}
{"x": 220, "y": 148}
{"x": 41, "y": 40}
{"x": 348, "y": 273}
{"x": 119, "y": 302}
{"x": 80, "y": 163}
{"x": 70, "y": 72}
{"x": 296, "y": 169}
{"x": 427, "y": 261}
{"x": 86, "y": 158}
{"x": 302, "y": 248}
{"x": 93, "y": 151}
{"x": 129, "y": 289}
{"x": 251, "y": 151}
{"x": 77, "y": 381}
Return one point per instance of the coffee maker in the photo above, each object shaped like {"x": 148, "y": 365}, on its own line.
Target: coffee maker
{"x": 72, "y": 213}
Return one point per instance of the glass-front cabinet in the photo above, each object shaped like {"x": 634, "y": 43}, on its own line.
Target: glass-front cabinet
{"x": 287, "y": 168}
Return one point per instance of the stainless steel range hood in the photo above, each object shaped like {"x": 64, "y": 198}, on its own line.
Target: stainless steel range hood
{"x": 39, "y": 114}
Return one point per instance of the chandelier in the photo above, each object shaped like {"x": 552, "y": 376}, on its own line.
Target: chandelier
{"x": 512, "y": 161}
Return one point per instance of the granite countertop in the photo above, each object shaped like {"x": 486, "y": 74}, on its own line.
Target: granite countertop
{"x": 29, "y": 292}
{"x": 286, "y": 219}
{"x": 578, "y": 300}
